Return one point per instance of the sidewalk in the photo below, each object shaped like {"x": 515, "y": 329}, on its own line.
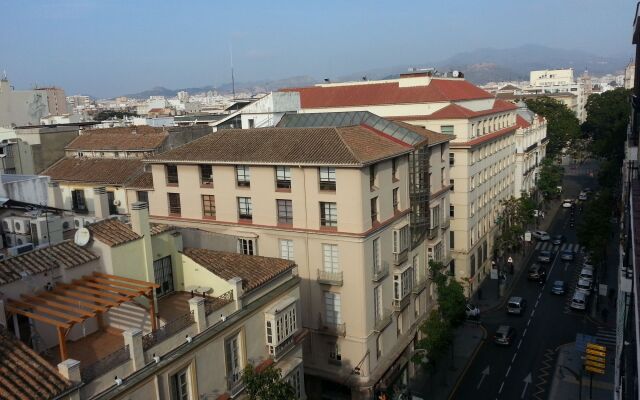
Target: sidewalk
{"x": 467, "y": 341}
{"x": 489, "y": 288}
{"x": 566, "y": 378}
{"x": 608, "y": 275}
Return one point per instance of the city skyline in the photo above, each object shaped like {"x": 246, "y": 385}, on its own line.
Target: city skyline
{"x": 97, "y": 49}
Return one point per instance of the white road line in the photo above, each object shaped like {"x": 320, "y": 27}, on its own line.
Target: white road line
{"x": 514, "y": 358}
{"x": 525, "y": 332}
{"x": 501, "y": 386}
{"x": 537, "y": 301}
{"x": 539, "y": 295}
{"x": 508, "y": 370}
{"x": 533, "y": 312}
{"x": 519, "y": 344}
{"x": 529, "y": 321}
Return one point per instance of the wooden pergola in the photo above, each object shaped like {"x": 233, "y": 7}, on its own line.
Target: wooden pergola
{"x": 71, "y": 303}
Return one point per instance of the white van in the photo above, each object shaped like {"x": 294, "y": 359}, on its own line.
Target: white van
{"x": 583, "y": 286}
{"x": 579, "y": 301}
{"x": 586, "y": 274}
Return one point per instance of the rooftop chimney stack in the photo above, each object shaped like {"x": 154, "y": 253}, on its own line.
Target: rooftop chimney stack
{"x": 140, "y": 218}
{"x": 54, "y": 195}
{"x": 101, "y": 203}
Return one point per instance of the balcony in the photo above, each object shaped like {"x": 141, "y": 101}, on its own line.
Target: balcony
{"x": 399, "y": 258}
{"x": 333, "y": 328}
{"x": 381, "y": 273}
{"x": 383, "y": 321}
{"x": 235, "y": 384}
{"x": 444, "y": 225}
{"x": 433, "y": 233}
{"x": 419, "y": 285}
{"x": 329, "y": 278}
{"x": 279, "y": 351}
{"x": 399, "y": 305}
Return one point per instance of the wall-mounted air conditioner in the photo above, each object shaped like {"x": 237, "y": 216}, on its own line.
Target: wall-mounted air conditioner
{"x": 22, "y": 225}
{"x": 7, "y": 225}
{"x": 17, "y": 250}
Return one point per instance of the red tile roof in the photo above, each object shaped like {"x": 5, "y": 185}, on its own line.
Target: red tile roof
{"x": 112, "y": 232}
{"x": 485, "y": 138}
{"x": 456, "y": 111}
{"x": 388, "y": 93}
{"x": 521, "y": 122}
{"x": 119, "y": 140}
{"x": 105, "y": 171}
{"x": 253, "y": 270}
{"x": 24, "y": 375}
{"x": 143, "y": 181}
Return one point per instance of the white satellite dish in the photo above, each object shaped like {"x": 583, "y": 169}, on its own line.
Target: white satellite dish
{"x": 456, "y": 74}
{"x": 82, "y": 237}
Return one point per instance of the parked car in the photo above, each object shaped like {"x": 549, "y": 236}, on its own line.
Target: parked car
{"x": 557, "y": 240}
{"x": 567, "y": 255}
{"x": 472, "y": 310}
{"x": 541, "y": 235}
{"x": 537, "y": 273}
{"x": 567, "y": 203}
{"x": 516, "y": 305}
{"x": 544, "y": 256}
{"x": 587, "y": 190}
{"x": 587, "y": 263}
{"x": 504, "y": 335}
{"x": 586, "y": 274}
{"x": 584, "y": 286}
{"x": 582, "y": 196}
{"x": 578, "y": 301}
{"x": 559, "y": 287}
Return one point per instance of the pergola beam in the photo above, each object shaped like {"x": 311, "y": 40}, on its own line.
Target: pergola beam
{"x": 60, "y": 306}
{"x": 130, "y": 280}
{"x": 71, "y": 294}
{"x": 79, "y": 288}
{"x": 45, "y": 310}
{"x": 79, "y": 303}
{"x": 125, "y": 292}
{"x": 116, "y": 283}
{"x": 38, "y": 317}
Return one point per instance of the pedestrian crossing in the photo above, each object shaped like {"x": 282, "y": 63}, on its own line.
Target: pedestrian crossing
{"x": 606, "y": 336}
{"x": 575, "y": 247}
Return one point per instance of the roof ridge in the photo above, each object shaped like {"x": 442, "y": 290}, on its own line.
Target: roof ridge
{"x": 336, "y": 129}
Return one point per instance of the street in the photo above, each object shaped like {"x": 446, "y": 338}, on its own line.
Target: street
{"x": 523, "y": 370}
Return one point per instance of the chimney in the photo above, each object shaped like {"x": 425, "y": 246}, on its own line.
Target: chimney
{"x": 54, "y": 195}
{"x": 100, "y": 203}
{"x": 140, "y": 218}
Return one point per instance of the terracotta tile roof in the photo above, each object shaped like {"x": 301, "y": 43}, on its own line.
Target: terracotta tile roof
{"x": 107, "y": 171}
{"x": 456, "y": 111}
{"x": 142, "y": 181}
{"x": 160, "y": 228}
{"x": 24, "y": 374}
{"x": 388, "y": 93}
{"x": 347, "y": 146}
{"x": 521, "y": 122}
{"x": 66, "y": 254}
{"x": 145, "y": 138}
{"x": 432, "y": 137}
{"x": 253, "y": 270}
{"x": 485, "y": 138}
{"x": 112, "y": 232}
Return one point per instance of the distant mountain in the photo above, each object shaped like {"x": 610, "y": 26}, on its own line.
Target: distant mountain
{"x": 479, "y": 66}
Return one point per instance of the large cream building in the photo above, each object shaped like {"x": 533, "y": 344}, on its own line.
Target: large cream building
{"x": 480, "y": 159}
{"x": 531, "y": 148}
{"x": 348, "y": 202}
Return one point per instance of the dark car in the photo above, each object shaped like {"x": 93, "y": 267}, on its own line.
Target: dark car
{"x": 559, "y": 287}
{"x": 504, "y": 335}
{"x": 557, "y": 240}
{"x": 537, "y": 273}
{"x": 567, "y": 255}
{"x": 544, "y": 256}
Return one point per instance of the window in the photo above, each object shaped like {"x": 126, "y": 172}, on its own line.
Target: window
{"x": 172, "y": 174}
{"x": 79, "y": 203}
{"x": 446, "y": 129}
{"x": 283, "y": 177}
{"x": 472, "y": 262}
{"x": 379, "y": 346}
{"x": 285, "y": 212}
{"x": 451, "y": 240}
{"x": 281, "y": 324}
{"x": 330, "y": 261}
{"x": 401, "y": 239}
{"x": 452, "y": 211}
{"x": 396, "y": 201}
{"x": 372, "y": 176}
{"x": 394, "y": 169}
{"x": 377, "y": 255}
{"x": 378, "y": 311}
{"x": 328, "y": 214}
{"x": 451, "y": 158}
{"x": 295, "y": 380}
{"x": 374, "y": 211}
{"x": 252, "y": 123}
{"x": 402, "y": 284}
{"x": 142, "y": 195}
{"x": 174, "y": 203}
{"x": 243, "y": 176}
{"x": 286, "y": 249}
{"x": 209, "y": 206}
{"x": 327, "y": 178}
{"x": 334, "y": 353}
{"x": 332, "y": 307}
{"x": 442, "y": 177}
{"x": 180, "y": 386}
{"x": 111, "y": 201}
{"x": 206, "y": 175}
{"x": 245, "y": 210}
{"x": 435, "y": 217}
{"x": 233, "y": 359}
{"x": 246, "y": 246}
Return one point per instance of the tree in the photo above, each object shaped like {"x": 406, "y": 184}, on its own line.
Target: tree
{"x": 438, "y": 336}
{"x": 562, "y": 125}
{"x": 266, "y": 384}
{"x": 516, "y": 215}
{"x": 594, "y": 228}
{"x": 549, "y": 179}
{"x": 452, "y": 303}
{"x": 109, "y": 114}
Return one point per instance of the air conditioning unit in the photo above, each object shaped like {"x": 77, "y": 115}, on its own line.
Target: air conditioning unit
{"x": 17, "y": 250}
{"x": 122, "y": 218}
{"x": 17, "y": 240}
{"x": 7, "y": 225}
{"x": 68, "y": 223}
{"x": 88, "y": 221}
{"x": 22, "y": 225}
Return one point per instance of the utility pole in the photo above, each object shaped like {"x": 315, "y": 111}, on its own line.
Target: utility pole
{"x": 233, "y": 81}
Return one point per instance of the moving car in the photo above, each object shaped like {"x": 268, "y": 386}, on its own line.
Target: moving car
{"x": 544, "y": 256}
{"x": 566, "y": 255}
{"x": 567, "y": 203}
{"x": 541, "y": 235}
{"x": 582, "y": 196}
{"x": 559, "y": 287}
{"x": 557, "y": 240}
{"x": 586, "y": 274}
{"x": 584, "y": 286}
{"x": 472, "y": 310}
{"x": 516, "y": 305}
{"x": 504, "y": 335}
{"x": 537, "y": 273}
{"x": 578, "y": 301}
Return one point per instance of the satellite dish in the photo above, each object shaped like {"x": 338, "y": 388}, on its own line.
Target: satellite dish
{"x": 82, "y": 237}
{"x": 456, "y": 74}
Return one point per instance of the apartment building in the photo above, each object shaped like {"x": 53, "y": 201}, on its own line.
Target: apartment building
{"x": 348, "y": 202}
{"x": 531, "y": 143}
{"x": 481, "y": 157}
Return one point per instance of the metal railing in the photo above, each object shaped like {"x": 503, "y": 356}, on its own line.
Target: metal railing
{"x": 331, "y": 327}
{"x": 235, "y": 383}
{"x": 330, "y": 278}
{"x": 380, "y": 273}
{"x": 166, "y": 331}
{"x": 277, "y": 352}
{"x": 212, "y": 304}
{"x": 105, "y": 364}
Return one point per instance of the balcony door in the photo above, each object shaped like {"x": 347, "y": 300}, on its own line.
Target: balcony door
{"x": 163, "y": 272}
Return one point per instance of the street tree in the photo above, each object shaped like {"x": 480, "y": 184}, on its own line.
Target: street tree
{"x": 266, "y": 384}
{"x": 562, "y": 125}
{"x": 516, "y": 215}
{"x": 549, "y": 179}
{"x": 594, "y": 227}
{"x": 437, "y": 337}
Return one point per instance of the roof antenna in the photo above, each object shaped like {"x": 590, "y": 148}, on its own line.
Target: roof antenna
{"x": 233, "y": 82}
{"x": 327, "y": 80}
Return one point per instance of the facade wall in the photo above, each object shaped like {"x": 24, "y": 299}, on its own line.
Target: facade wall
{"x": 119, "y": 195}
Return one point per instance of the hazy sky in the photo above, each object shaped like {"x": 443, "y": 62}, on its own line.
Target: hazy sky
{"x": 110, "y": 47}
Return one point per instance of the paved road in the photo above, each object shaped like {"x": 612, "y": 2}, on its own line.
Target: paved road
{"x": 523, "y": 370}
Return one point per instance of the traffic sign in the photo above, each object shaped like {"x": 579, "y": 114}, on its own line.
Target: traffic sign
{"x": 595, "y": 352}
{"x": 596, "y": 347}
{"x": 594, "y": 370}
{"x": 594, "y": 358}
{"x": 594, "y": 364}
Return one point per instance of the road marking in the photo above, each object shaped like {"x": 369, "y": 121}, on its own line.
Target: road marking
{"x": 519, "y": 344}
{"x": 537, "y": 301}
{"x": 514, "y": 357}
{"x": 527, "y": 381}
{"x": 485, "y": 372}
{"x": 501, "y": 386}
{"x": 529, "y": 321}
{"x": 539, "y": 295}
{"x": 508, "y": 370}
{"x": 533, "y": 312}
{"x": 525, "y": 332}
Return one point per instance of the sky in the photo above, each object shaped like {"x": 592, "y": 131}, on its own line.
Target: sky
{"x": 106, "y": 48}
